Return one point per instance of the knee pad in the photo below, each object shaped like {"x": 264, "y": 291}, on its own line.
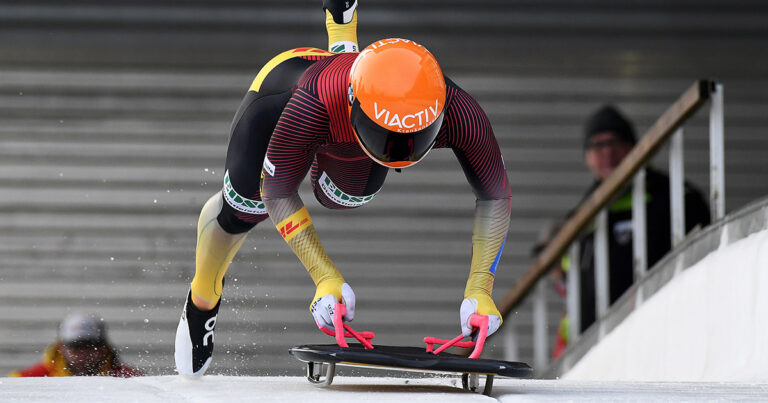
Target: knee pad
{"x": 236, "y": 221}
{"x": 332, "y": 197}
{"x": 345, "y": 179}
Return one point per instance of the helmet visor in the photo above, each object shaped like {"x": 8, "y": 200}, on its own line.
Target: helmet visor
{"x": 391, "y": 148}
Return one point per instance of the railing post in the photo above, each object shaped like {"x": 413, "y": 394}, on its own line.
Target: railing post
{"x": 639, "y": 234}
{"x": 573, "y": 296}
{"x": 540, "y": 325}
{"x": 601, "y": 263}
{"x": 676, "y": 187}
{"x": 716, "y": 153}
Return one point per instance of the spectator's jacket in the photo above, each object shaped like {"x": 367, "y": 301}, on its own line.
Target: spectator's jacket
{"x": 53, "y": 364}
{"x": 659, "y": 238}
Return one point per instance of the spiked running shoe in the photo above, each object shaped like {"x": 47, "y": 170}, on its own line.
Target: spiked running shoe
{"x": 341, "y": 10}
{"x": 194, "y": 339}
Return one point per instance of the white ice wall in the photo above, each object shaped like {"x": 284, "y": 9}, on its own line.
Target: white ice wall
{"x": 709, "y": 323}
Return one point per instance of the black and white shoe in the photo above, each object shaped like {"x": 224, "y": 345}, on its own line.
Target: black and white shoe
{"x": 341, "y": 10}
{"x": 194, "y": 339}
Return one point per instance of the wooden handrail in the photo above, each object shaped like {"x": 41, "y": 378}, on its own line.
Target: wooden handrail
{"x": 672, "y": 118}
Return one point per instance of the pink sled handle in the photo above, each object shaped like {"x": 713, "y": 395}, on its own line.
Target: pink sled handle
{"x": 342, "y": 330}
{"x": 476, "y": 321}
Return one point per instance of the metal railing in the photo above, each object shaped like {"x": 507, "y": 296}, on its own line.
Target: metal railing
{"x": 669, "y": 125}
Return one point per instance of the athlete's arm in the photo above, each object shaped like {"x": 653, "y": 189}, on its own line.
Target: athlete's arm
{"x": 471, "y": 137}
{"x": 303, "y": 123}
{"x": 303, "y": 126}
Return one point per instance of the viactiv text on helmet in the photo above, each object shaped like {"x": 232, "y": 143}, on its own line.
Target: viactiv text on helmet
{"x": 408, "y": 123}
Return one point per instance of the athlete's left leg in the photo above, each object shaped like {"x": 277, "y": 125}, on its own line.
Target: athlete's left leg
{"x": 341, "y": 24}
{"x": 343, "y": 179}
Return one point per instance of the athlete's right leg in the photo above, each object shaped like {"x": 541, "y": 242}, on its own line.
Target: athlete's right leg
{"x": 215, "y": 249}
{"x": 224, "y": 222}
{"x": 230, "y": 214}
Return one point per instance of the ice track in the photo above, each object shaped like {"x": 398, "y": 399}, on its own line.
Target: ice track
{"x": 295, "y": 389}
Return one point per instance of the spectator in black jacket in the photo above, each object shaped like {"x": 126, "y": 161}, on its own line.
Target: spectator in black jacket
{"x": 608, "y": 139}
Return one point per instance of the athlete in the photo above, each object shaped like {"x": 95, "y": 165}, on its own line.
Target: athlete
{"x": 347, "y": 118}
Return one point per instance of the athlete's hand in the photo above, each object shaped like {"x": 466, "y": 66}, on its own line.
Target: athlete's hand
{"x": 326, "y": 297}
{"x": 482, "y": 305}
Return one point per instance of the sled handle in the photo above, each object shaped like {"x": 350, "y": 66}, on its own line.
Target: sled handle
{"x": 455, "y": 342}
{"x": 342, "y": 330}
{"x": 332, "y": 333}
{"x": 476, "y": 321}
{"x": 480, "y": 322}
{"x": 338, "y": 324}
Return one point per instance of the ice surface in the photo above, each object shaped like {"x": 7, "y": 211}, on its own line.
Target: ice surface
{"x": 210, "y": 389}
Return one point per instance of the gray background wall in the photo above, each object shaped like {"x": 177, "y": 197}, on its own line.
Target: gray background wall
{"x": 114, "y": 119}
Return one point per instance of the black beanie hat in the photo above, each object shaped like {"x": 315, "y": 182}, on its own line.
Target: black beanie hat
{"x": 609, "y": 119}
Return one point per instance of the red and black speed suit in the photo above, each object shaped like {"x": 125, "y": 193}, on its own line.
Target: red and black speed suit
{"x": 295, "y": 119}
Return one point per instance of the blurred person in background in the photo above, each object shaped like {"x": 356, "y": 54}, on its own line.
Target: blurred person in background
{"x": 608, "y": 138}
{"x": 82, "y": 349}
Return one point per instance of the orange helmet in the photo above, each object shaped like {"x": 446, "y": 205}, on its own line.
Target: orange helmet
{"x": 396, "y": 101}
